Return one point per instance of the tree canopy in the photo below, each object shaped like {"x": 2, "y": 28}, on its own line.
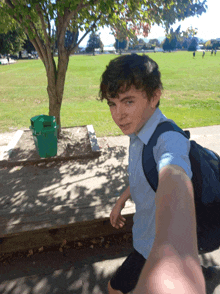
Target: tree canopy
{"x": 47, "y": 22}
{"x": 12, "y": 42}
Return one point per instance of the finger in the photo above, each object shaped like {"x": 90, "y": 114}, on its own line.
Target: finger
{"x": 121, "y": 221}
{"x": 120, "y": 224}
{"x": 122, "y": 218}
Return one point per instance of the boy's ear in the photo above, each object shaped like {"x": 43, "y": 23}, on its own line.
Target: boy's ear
{"x": 156, "y": 97}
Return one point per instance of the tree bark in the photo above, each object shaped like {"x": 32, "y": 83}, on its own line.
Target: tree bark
{"x": 55, "y": 89}
{"x": 54, "y": 106}
{"x": 55, "y": 85}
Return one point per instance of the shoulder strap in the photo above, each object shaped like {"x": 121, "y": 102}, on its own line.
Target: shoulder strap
{"x": 148, "y": 162}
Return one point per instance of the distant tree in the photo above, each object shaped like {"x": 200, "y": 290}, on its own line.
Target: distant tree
{"x": 166, "y": 45}
{"x": 185, "y": 43}
{"x": 174, "y": 38}
{"x": 12, "y": 42}
{"x": 28, "y": 46}
{"x": 141, "y": 41}
{"x": 133, "y": 43}
{"x": 215, "y": 44}
{"x": 71, "y": 38}
{"x": 173, "y": 43}
{"x": 208, "y": 44}
{"x": 190, "y": 32}
{"x": 212, "y": 44}
{"x": 123, "y": 45}
{"x": 154, "y": 43}
{"x": 193, "y": 45}
{"x": 179, "y": 45}
{"x": 94, "y": 42}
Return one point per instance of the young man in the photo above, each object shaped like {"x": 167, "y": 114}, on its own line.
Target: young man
{"x": 165, "y": 256}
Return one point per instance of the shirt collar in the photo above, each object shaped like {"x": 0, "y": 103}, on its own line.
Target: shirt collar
{"x": 149, "y": 127}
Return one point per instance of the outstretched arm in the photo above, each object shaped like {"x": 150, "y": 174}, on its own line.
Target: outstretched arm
{"x": 173, "y": 264}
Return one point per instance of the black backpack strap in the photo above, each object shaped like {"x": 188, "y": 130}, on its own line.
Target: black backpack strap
{"x": 148, "y": 161}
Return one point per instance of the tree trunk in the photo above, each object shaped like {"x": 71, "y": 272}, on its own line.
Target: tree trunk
{"x": 54, "y": 106}
{"x": 55, "y": 88}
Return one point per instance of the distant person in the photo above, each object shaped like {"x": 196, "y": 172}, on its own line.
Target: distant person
{"x": 215, "y": 51}
{"x": 203, "y": 54}
{"x": 194, "y": 54}
{"x": 165, "y": 249}
{"x": 8, "y": 58}
{"x": 212, "y": 52}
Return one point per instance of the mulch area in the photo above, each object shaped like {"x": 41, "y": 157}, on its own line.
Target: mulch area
{"x": 73, "y": 142}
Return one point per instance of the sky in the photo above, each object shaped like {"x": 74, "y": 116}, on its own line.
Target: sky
{"x": 208, "y": 25}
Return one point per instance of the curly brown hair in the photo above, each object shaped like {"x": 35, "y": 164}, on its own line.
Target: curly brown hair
{"x": 127, "y": 70}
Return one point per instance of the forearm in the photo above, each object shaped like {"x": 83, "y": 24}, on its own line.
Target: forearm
{"x": 173, "y": 264}
{"x": 124, "y": 197}
{"x": 167, "y": 272}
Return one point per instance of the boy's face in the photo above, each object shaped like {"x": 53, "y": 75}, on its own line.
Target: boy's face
{"x": 132, "y": 109}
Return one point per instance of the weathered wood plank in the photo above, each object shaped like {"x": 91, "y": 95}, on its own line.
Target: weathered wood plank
{"x": 40, "y": 205}
{"x": 36, "y": 219}
{"x": 51, "y": 237}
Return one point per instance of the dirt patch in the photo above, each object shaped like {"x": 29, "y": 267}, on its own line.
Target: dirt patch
{"x": 121, "y": 239}
{"x": 73, "y": 142}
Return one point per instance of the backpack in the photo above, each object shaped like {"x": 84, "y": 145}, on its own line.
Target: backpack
{"x": 205, "y": 166}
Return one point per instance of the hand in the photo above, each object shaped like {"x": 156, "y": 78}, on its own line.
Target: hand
{"x": 116, "y": 219}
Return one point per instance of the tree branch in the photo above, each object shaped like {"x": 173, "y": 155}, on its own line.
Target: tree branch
{"x": 48, "y": 42}
{"x": 36, "y": 41}
{"x": 86, "y": 33}
{"x": 40, "y": 14}
{"x": 9, "y": 3}
{"x": 44, "y": 9}
{"x": 79, "y": 7}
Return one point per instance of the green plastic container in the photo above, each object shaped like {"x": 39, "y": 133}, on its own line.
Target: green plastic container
{"x": 44, "y": 130}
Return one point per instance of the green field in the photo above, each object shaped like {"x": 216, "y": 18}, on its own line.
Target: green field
{"x": 191, "y": 95}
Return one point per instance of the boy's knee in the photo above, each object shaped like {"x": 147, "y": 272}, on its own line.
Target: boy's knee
{"x": 112, "y": 291}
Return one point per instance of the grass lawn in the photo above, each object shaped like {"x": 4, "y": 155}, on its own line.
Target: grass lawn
{"x": 191, "y": 95}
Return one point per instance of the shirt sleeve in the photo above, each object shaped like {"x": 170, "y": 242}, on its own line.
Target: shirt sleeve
{"x": 173, "y": 148}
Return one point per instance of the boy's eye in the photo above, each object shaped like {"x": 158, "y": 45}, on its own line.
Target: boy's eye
{"x": 110, "y": 104}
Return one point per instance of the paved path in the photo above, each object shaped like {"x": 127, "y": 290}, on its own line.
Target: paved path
{"x": 84, "y": 271}
{"x": 88, "y": 271}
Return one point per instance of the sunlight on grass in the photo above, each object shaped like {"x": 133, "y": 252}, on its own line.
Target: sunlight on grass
{"x": 191, "y": 93}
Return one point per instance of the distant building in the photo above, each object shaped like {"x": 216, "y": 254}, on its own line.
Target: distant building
{"x": 158, "y": 49}
{"x": 200, "y": 47}
{"x": 109, "y": 49}
{"x": 24, "y": 54}
{"x": 106, "y": 50}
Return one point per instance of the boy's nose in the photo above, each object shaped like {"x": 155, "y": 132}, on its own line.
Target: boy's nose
{"x": 120, "y": 112}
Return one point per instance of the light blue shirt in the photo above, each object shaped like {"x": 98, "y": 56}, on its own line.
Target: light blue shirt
{"x": 171, "y": 148}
